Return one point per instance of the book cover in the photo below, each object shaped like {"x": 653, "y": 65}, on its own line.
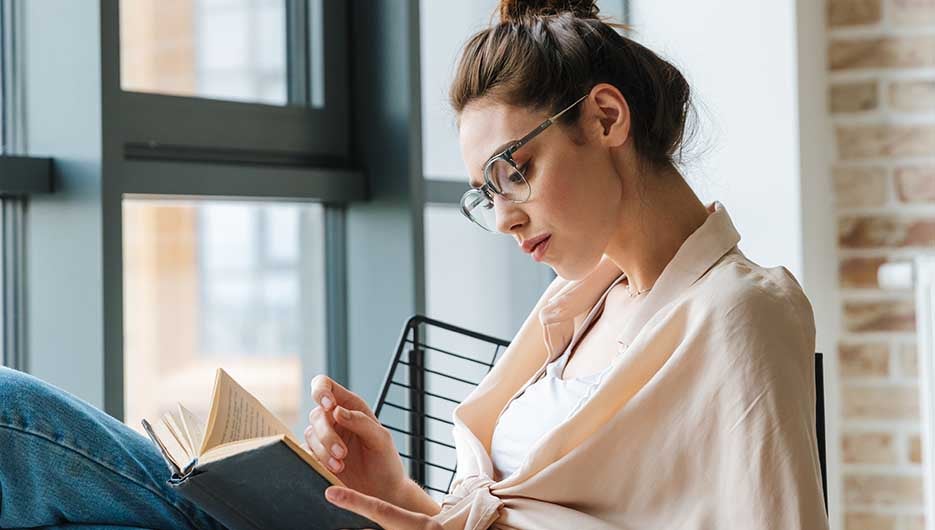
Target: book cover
{"x": 245, "y": 468}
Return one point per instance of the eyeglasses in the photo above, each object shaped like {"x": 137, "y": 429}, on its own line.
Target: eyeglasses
{"x": 504, "y": 178}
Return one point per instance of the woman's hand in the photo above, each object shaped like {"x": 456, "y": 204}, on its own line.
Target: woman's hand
{"x": 386, "y": 515}
{"x": 345, "y": 435}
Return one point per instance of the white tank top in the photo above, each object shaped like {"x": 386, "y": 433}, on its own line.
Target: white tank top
{"x": 543, "y": 405}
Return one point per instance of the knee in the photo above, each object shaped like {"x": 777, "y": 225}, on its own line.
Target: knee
{"x": 19, "y": 390}
{"x": 10, "y": 378}
{"x": 13, "y": 383}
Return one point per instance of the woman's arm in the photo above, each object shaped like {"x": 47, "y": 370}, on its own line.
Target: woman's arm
{"x": 415, "y": 499}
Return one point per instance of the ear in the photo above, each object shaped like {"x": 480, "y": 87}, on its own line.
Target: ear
{"x": 612, "y": 118}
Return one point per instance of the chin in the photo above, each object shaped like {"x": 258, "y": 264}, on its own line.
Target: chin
{"x": 575, "y": 269}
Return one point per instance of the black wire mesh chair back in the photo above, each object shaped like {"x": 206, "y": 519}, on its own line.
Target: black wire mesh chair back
{"x": 435, "y": 367}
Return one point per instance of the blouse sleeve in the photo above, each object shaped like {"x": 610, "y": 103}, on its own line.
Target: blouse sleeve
{"x": 769, "y": 467}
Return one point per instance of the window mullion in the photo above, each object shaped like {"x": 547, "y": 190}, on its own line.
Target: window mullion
{"x": 297, "y": 58}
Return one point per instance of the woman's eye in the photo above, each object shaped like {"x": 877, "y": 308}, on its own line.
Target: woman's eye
{"x": 516, "y": 177}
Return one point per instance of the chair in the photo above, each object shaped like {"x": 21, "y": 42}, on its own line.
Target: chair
{"x": 435, "y": 366}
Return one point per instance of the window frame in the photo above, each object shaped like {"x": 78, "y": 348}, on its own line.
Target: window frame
{"x": 20, "y": 177}
{"x": 160, "y": 125}
{"x": 159, "y": 146}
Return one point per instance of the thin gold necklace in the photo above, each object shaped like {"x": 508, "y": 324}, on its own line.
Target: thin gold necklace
{"x": 634, "y": 295}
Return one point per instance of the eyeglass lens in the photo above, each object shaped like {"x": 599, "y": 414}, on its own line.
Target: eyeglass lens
{"x": 508, "y": 182}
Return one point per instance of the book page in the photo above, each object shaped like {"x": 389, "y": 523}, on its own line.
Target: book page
{"x": 173, "y": 423}
{"x": 237, "y": 415}
{"x": 221, "y": 452}
{"x": 193, "y": 427}
{"x": 175, "y": 451}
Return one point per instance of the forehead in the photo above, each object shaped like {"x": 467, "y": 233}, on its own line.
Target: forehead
{"x": 486, "y": 126}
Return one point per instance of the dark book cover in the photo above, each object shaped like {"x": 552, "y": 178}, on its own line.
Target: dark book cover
{"x": 266, "y": 488}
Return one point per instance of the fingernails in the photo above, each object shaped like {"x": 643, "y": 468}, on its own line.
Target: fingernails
{"x": 334, "y": 494}
{"x": 333, "y": 464}
{"x": 326, "y": 402}
{"x": 337, "y": 450}
{"x": 346, "y": 414}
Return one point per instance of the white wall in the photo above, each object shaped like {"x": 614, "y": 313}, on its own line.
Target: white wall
{"x": 740, "y": 58}
{"x": 759, "y": 72}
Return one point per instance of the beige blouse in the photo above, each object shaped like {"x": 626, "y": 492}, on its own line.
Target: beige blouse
{"x": 706, "y": 419}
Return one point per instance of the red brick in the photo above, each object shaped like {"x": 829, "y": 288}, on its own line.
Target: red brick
{"x": 883, "y": 315}
{"x": 860, "y": 272}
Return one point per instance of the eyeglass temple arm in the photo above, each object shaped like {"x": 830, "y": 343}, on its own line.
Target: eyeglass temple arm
{"x": 542, "y": 126}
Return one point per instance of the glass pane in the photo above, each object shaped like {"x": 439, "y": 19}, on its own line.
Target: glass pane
{"x": 238, "y": 285}
{"x": 219, "y": 49}
{"x": 445, "y": 26}
{"x": 476, "y": 279}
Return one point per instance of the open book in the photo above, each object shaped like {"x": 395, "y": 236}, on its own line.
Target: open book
{"x": 245, "y": 468}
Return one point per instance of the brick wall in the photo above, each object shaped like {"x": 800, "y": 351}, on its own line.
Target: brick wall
{"x": 881, "y": 56}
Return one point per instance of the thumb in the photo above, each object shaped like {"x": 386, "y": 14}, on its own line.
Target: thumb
{"x": 371, "y": 433}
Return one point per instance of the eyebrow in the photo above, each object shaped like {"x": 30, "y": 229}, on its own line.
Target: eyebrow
{"x": 496, "y": 151}
{"x": 502, "y": 146}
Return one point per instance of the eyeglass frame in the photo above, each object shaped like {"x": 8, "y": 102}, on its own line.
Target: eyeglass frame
{"x": 487, "y": 189}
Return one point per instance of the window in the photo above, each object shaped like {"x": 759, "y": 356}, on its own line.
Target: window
{"x": 223, "y": 109}
{"x": 219, "y": 49}
{"x": 261, "y": 81}
{"x": 235, "y": 284}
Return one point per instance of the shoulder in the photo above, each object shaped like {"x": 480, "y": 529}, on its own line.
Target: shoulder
{"x": 749, "y": 298}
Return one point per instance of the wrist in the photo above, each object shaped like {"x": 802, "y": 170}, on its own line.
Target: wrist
{"x": 412, "y": 497}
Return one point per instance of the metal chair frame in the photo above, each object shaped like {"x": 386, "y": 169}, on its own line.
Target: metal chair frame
{"x": 411, "y": 358}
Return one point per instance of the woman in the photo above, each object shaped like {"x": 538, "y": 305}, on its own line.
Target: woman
{"x": 662, "y": 381}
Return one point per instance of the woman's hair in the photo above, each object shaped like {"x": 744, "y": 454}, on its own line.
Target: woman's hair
{"x": 544, "y": 54}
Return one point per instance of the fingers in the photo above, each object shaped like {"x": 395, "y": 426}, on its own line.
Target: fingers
{"x": 373, "y": 435}
{"x": 324, "y": 441}
{"x": 381, "y": 512}
{"x": 327, "y": 392}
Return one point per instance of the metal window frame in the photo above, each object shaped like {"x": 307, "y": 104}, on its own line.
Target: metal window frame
{"x": 164, "y": 146}
{"x": 10, "y": 90}
{"x": 20, "y": 177}
{"x": 158, "y": 125}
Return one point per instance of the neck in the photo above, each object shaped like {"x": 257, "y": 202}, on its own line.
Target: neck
{"x": 653, "y": 223}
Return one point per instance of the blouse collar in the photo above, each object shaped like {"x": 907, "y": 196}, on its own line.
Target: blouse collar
{"x": 698, "y": 253}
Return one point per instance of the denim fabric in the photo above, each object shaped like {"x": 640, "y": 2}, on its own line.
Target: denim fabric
{"x": 66, "y": 464}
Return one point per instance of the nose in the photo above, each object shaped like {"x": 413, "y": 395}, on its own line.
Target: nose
{"x": 510, "y": 216}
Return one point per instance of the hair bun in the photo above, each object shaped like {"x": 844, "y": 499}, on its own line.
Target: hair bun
{"x": 514, "y": 10}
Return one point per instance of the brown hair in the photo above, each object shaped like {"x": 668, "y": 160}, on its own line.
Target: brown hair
{"x": 545, "y": 54}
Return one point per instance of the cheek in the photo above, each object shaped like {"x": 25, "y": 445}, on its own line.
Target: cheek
{"x": 575, "y": 199}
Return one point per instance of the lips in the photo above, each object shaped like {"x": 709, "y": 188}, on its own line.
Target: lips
{"x": 530, "y": 244}
{"x": 537, "y": 246}
{"x": 538, "y": 251}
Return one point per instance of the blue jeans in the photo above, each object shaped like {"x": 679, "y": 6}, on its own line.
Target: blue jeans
{"x": 66, "y": 464}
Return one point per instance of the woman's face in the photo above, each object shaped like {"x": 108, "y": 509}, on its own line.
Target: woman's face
{"x": 576, "y": 189}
